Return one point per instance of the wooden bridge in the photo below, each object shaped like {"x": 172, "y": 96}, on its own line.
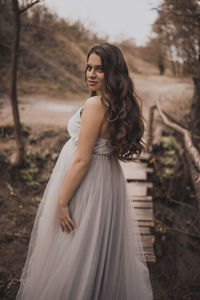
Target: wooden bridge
{"x": 139, "y": 186}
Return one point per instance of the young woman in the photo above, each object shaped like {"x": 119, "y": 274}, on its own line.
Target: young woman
{"x": 85, "y": 243}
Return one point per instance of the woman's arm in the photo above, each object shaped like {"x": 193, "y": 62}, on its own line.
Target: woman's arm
{"x": 92, "y": 118}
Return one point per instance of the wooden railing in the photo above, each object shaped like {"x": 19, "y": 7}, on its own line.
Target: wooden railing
{"x": 193, "y": 155}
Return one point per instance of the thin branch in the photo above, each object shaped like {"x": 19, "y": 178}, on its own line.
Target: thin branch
{"x": 157, "y": 9}
{"x": 196, "y": 136}
{"x": 181, "y": 203}
{"x": 28, "y": 6}
{"x": 181, "y": 231}
{"x": 177, "y": 229}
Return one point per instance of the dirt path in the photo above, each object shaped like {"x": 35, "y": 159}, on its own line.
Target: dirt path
{"x": 40, "y": 111}
{"x": 168, "y": 89}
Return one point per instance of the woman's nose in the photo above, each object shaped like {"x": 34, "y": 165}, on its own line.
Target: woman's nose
{"x": 92, "y": 73}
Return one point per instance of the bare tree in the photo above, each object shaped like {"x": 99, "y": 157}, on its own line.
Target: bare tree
{"x": 17, "y": 10}
{"x": 178, "y": 28}
{"x": 156, "y": 48}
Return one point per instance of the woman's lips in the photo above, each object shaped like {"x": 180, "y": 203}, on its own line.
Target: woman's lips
{"x": 92, "y": 83}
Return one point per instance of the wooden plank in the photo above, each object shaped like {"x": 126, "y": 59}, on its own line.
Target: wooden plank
{"x": 130, "y": 175}
{"x": 141, "y": 198}
{"x": 150, "y": 259}
{"x": 136, "y": 171}
{"x": 138, "y": 189}
{"x": 142, "y": 223}
{"x": 149, "y": 250}
{"x": 133, "y": 165}
{"x": 144, "y": 157}
{"x": 145, "y": 184}
{"x": 149, "y": 254}
{"x": 139, "y": 175}
{"x": 144, "y": 214}
{"x": 147, "y": 240}
{"x": 145, "y": 230}
{"x": 142, "y": 204}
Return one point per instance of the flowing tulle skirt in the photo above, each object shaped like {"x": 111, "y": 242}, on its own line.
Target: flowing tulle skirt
{"x": 103, "y": 258}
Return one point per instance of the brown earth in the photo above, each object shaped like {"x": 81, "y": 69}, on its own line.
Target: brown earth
{"x": 21, "y": 190}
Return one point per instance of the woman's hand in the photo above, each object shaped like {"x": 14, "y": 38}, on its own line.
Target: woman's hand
{"x": 64, "y": 218}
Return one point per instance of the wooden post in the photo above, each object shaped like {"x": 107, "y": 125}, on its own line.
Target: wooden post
{"x": 150, "y": 128}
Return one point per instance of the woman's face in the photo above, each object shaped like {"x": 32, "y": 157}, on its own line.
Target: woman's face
{"x": 94, "y": 73}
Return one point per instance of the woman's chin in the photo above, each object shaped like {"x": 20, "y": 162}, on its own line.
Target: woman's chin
{"x": 92, "y": 89}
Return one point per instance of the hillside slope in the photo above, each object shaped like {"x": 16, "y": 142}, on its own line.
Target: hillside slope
{"x": 52, "y": 53}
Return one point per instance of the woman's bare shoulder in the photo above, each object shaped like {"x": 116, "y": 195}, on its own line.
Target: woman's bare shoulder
{"x": 95, "y": 103}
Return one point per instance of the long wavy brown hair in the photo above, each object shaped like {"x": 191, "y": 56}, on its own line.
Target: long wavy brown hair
{"x": 123, "y": 106}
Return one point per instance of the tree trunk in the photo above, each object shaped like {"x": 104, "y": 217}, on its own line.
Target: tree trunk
{"x": 195, "y": 108}
{"x": 173, "y": 68}
{"x": 161, "y": 63}
{"x": 19, "y": 156}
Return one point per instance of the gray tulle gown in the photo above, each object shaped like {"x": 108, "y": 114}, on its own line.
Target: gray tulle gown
{"x": 103, "y": 258}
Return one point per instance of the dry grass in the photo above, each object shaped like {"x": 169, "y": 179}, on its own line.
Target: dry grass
{"x": 53, "y": 54}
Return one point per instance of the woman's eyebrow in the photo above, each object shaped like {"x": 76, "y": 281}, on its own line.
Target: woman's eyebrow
{"x": 95, "y": 65}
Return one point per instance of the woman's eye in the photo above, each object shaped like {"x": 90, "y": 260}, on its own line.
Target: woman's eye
{"x": 100, "y": 69}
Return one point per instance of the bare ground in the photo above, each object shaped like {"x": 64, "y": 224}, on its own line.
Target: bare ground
{"x": 40, "y": 110}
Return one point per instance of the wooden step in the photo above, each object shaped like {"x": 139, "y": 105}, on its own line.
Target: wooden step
{"x": 147, "y": 240}
{"x": 138, "y": 189}
{"x": 142, "y": 204}
{"x": 144, "y": 214}
{"x": 149, "y": 254}
{"x": 133, "y": 165}
{"x": 141, "y": 198}
{"x": 145, "y": 230}
{"x": 144, "y": 157}
{"x": 136, "y": 171}
{"x": 139, "y": 175}
{"x": 142, "y": 223}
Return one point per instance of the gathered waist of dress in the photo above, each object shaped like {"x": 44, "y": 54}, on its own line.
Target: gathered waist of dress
{"x": 102, "y": 156}
{"x": 99, "y": 152}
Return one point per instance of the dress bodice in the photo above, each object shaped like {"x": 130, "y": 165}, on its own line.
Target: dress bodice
{"x": 102, "y": 146}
